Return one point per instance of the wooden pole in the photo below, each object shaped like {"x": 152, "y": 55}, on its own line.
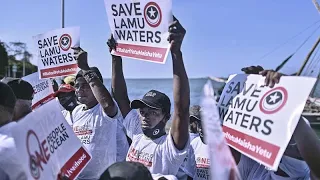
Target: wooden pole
{"x": 308, "y": 57}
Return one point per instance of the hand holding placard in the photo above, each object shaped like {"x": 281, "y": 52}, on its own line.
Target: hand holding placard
{"x": 82, "y": 58}
{"x": 272, "y": 77}
{"x": 176, "y": 35}
{"x": 112, "y": 43}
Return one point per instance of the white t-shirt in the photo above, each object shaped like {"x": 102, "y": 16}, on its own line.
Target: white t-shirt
{"x": 160, "y": 155}
{"x": 66, "y": 114}
{"x": 193, "y": 136}
{"x": 251, "y": 170}
{"x": 122, "y": 141}
{"x": 198, "y": 163}
{"x": 181, "y": 175}
{"x": 9, "y": 164}
{"x": 97, "y": 132}
{"x": 168, "y": 177}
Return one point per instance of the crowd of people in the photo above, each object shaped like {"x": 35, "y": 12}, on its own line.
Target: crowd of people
{"x": 127, "y": 139}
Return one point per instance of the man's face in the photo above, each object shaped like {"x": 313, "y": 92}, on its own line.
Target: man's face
{"x": 150, "y": 117}
{"x": 83, "y": 91}
{"x": 68, "y": 100}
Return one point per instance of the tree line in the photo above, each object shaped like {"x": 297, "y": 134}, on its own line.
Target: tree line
{"x": 15, "y": 53}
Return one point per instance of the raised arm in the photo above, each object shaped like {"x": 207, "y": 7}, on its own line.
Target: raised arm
{"x": 309, "y": 146}
{"x": 118, "y": 84}
{"x": 181, "y": 89}
{"x": 100, "y": 92}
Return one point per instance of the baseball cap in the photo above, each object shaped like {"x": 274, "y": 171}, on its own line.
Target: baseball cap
{"x": 64, "y": 88}
{"x": 195, "y": 112}
{"x": 126, "y": 171}
{"x": 153, "y": 99}
{"x": 22, "y": 89}
{"x": 94, "y": 69}
{"x": 7, "y": 97}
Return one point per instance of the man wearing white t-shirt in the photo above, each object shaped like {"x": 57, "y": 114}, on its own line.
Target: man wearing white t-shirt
{"x": 161, "y": 153}
{"x": 95, "y": 120}
{"x": 198, "y": 163}
{"x": 10, "y": 168}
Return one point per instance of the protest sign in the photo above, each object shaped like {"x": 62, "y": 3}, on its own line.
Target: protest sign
{"x": 140, "y": 28}
{"x": 259, "y": 121}
{"x": 47, "y": 145}
{"x": 222, "y": 164}
{"x": 43, "y": 90}
{"x": 54, "y": 53}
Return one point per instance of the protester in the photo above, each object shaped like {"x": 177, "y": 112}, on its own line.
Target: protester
{"x": 127, "y": 171}
{"x": 194, "y": 122}
{"x": 68, "y": 100}
{"x": 10, "y": 168}
{"x": 289, "y": 167}
{"x": 159, "y": 152}
{"x": 95, "y": 119}
{"x": 198, "y": 164}
{"x": 24, "y": 93}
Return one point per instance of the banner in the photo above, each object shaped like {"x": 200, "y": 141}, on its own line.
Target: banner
{"x": 140, "y": 28}
{"x": 55, "y": 56}
{"x": 43, "y": 90}
{"x": 46, "y": 144}
{"x": 259, "y": 121}
{"x": 222, "y": 164}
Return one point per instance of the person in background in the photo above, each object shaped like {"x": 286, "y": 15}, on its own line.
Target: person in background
{"x": 198, "y": 163}
{"x": 194, "y": 122}
{"x": 159, "y": 152}
{"x": 127, "y": 171}
{"x": 24, "y": 94}
{"x": 292, "y": 165}
{"x": 68, "y": 100}
{"x": 10, "y": 168}
{"x": 95, "y": 119}
{"x": 55, "y": 85}
{"x": 194, "y": 133}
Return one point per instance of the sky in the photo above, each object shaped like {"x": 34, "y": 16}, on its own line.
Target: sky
{"x": 222, "y": 36}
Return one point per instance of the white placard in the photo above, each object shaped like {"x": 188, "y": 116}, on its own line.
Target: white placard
{"x": 43, "y": 90}
{"x": 54, "y": 53}
{"x": 47, "y": 145}
{"x": 222, "y": 164}
{"x": 140, "y": 28}
{"x": 259, "y": 121}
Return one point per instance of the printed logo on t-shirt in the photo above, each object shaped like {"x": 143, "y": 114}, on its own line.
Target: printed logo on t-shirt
{"x": 140, "y": 156}
{"x": 202, "y": 167}
{"x": 84, "y": 133}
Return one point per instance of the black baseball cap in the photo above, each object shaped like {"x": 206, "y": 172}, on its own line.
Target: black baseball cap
{"x": 7, "y": 97}
{"x": 126, "y": 171}
{"x": 195, "y": 112}
{"x": 94, "y": 69}
{"x": 153, "y": 99}
{"x": 22, "y": 89}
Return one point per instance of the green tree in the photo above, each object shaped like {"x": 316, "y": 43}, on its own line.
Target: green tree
{"x": 3, "y": 59}
{"x": 20, "y": 56}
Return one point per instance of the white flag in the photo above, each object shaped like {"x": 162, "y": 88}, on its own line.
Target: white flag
{"x": 222, "y": 164}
